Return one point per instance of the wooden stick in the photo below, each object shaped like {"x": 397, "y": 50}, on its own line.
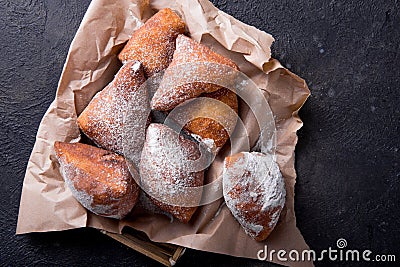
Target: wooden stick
{"x": 167, "y": 254}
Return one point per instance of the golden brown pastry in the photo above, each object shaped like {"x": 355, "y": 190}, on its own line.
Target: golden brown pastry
{"x": 208, "y": 128}
{"x": 153, "y": 43}
{"x": 188, "y": 52}
{"x": 103, "y": 119}
{"x": 165, "y": 174}
{"x": 254, "y": 192}
{"x": 99, "y": 179}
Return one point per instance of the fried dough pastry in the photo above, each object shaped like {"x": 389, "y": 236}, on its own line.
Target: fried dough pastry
{"x": 164, "y": 174}
{"x": 103, "y": 119}
{"x": 254, "y": 192}
{"x": 153, "y": 43}
{"x": 188, "y": 53}
{"x": 208, "y": 128}
{"x": 99, "y": 179}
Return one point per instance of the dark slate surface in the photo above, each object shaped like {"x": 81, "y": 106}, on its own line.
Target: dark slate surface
{"x": 348, "y": 153}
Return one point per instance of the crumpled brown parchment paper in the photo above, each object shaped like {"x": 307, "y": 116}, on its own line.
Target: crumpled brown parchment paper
{"x": 48, "y": 205}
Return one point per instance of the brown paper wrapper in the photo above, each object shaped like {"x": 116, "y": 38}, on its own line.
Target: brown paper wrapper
{"x": 48, "y": 205}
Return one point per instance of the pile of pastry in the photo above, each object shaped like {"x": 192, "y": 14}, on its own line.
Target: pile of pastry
{"x": 98, "y": 174}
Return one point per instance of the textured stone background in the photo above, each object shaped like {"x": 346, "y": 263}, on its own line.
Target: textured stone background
{"x": 348, "y": 153}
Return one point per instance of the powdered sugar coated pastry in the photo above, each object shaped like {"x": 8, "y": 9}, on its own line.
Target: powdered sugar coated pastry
{"x": 153, "y": 43}
{"x": 191, "y": 59}
{"x": 103, "y": 119}
{"x": 164, "y": 174}
{"x": 99, "y": 179}
{"x": 254, "y": 192}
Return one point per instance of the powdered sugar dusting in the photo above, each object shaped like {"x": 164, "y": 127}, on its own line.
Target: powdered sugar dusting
{"x": 135, "y": 66}
{"x": 254, "y": 196}
{"x": 254, "y": 191}
{"x": 153, "y": 43}
{"x": 274, "y": 218}
{"x": 207, "y": 142}
{"x": 164, "y": 174}
{"x": 98, "y": 179}
{"x": 184, "y": 79}
{"x": 103, "y": 119}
